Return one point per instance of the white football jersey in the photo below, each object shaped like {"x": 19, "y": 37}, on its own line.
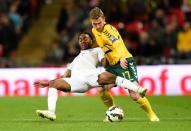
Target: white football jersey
{"x": 86, "y": 61}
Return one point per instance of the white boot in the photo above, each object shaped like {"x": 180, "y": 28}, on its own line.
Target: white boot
{"x": 154, "y": 118}
{"x": 46, "y": 114}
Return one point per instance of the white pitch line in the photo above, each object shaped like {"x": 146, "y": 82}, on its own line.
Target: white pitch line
{"x": 126, "y": 118}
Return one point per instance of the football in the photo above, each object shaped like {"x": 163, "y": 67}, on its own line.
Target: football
{"x": 114, "y": 114}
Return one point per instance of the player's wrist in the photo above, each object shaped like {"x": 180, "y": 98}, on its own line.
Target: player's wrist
{"x": 122, "y": 59}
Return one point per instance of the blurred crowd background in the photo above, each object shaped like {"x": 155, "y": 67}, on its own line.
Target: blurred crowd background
{"x": 44, "y": 33}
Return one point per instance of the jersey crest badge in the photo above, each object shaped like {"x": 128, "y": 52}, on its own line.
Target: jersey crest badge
{"x": 112, "y": 38}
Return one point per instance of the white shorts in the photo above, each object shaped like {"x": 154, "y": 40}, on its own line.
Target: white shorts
{"x": 83, "y": 82}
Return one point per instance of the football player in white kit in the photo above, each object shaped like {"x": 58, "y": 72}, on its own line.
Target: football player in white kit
{"x": 83, "y": 74}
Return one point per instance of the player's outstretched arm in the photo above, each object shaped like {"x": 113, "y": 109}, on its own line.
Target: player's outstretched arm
{"x": 42, "y": 83}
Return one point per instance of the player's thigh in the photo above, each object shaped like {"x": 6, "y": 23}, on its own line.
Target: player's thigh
{"x": 118, "y": 71}
{"x": 130, "y": 73}
{"x": 77, "y": 84}
{"x": 92, "y": 76}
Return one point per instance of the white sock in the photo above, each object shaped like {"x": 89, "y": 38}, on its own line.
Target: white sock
{"x": 52, "y": 99}
{"x": 127, "y": 84}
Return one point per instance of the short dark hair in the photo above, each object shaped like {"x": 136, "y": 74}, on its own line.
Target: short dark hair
{"x": 87, "y": 33}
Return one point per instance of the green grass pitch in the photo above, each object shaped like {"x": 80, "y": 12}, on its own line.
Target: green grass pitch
{"x": 86, "y": 114}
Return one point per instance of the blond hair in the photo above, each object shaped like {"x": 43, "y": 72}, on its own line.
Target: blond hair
{"x": 96, "y": 13}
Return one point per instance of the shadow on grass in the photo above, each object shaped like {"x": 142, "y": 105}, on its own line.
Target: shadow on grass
{"x": 61, "y": 121}
{"x": 48, "y": 121}
{"x": 183, "y": 119}
{"x": 68, "y": 121}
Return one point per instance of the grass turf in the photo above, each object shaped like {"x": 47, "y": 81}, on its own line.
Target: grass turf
{"x": 86, "y": 113}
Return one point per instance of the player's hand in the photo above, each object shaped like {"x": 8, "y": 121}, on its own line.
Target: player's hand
{"x": 41, "y": 83}
{"x": 123, "y": 63}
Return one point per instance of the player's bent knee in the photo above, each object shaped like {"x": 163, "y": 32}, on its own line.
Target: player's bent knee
{"x": 62, "y": 85}
{"x": 103, "y": 90}
{"x": 106, "y": 78}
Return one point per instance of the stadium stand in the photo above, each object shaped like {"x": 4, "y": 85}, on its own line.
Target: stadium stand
{"x": 155, "y": 31}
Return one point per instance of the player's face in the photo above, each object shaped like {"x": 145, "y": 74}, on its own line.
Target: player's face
{"x": 84, "y": 41}
{"x": 98, "y": 23}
